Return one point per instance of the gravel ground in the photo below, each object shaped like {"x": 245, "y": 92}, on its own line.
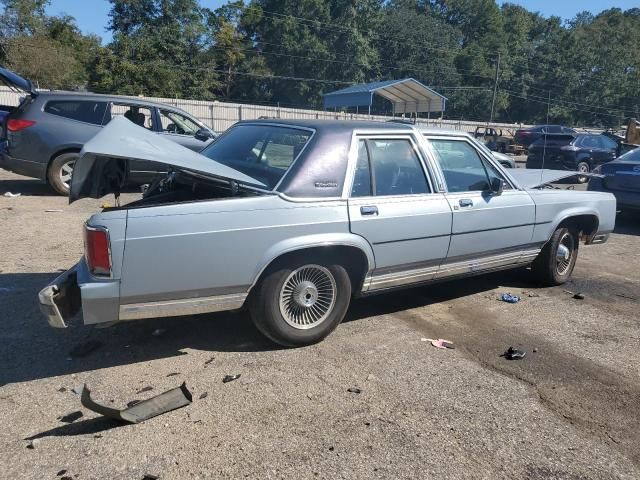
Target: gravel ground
{"x": 569, "y": 410}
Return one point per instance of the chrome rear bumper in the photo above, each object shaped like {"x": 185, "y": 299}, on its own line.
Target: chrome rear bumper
{"x": 60, "y": 299}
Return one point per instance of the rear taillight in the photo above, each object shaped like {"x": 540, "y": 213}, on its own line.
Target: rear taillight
{"x": 17, "y": 124}
{"x": 96, "y": 251}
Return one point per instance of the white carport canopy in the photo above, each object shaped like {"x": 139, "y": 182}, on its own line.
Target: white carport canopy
{"x": 406, "y": 96}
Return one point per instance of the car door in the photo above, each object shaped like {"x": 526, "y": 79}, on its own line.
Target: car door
{"x": 488, "y": 230}
{"x": 606, "y": 149}
{"x": 182, "y": 129}
{"x": 393, "y": 204}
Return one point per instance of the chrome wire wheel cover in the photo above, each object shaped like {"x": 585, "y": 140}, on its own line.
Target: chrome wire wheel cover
{"x": 307, "y": 296}
{"x": 65, "y": 173}
{"x": 564, "y": 254}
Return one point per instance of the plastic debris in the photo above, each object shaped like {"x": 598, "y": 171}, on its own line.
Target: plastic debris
{"x": 12, "y": 195}
{"x": 145, "y": 389}
{"x": 230, "y": 378}
{"x": 440, "y": 343}
{"x": 61, "y": 472}
{"x": 210, "y": 360}
{"x": 54, "y": 210}
{"x": 507, "y": 297}
{"x": 148, "y": 476}
{"x": 204, "y": 395}
{"x": 578, "y": 296}
{"x": 513, "y": 354}
{"x": 163, "y": 403}
{"x": 71, "y": 417}
{"x": 354, "y": 390}
{"x": 33, "y": 443}
{"x": 173, "y": 374}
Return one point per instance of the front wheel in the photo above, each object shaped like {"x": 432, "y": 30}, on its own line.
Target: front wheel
{"x": 555, "y": 263}
{"x": 60, "y": 172}
{"x": 300, "y": 303}
{"x": 583, "y": 167}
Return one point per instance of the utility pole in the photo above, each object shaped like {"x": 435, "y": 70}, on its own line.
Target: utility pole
{"x": 495, "y": 88}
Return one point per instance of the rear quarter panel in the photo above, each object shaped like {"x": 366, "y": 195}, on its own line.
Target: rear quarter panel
{"x": 554, "y": 206}
{"x": 220, "y": 247}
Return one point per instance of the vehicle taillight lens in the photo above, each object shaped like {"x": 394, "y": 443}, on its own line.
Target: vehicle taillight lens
{"x": 96, "y": 251}
{"x": 17, "y": 124}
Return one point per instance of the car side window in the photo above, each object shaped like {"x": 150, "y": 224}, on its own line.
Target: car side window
{"x": 80, "y": 110}
{"x": 554, "y": 129}
{"x": 590, "y": 142}
{"x": 173, "y": 122}
{"x": 392, "y": 167}
{"x": 139, "y": 115}
{"x": 608, "y": 143}
{"x": 463, "y": 168}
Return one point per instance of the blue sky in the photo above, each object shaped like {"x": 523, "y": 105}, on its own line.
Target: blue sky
{"x": 92, "y": 14}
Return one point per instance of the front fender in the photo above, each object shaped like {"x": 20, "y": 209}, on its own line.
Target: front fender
{"x": 311, "y": 241}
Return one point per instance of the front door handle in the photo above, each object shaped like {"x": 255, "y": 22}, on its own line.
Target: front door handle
{"x": 369, "y": 210}
{"x": 465, "y": 202}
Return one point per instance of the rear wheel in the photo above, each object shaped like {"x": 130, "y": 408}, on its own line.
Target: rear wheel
{"x": 555, "y": 263}
{"x": 583, "y": 167}
{"x": 60, "y": 172}
{"x": 301, "y": 302}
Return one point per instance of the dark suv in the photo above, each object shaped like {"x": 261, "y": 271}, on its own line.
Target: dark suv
{"x": 580, "y": 152}
{"x": 44, "y": 134}
{"x": 526, "y": 136}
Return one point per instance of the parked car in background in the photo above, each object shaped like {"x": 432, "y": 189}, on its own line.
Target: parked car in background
{"x": 622, "y": 178}
{"x": 577, "y": 152}
{"x": 526, "y": 136}
{"x": 46, "y": 132}
{"x": 324, "y": 211}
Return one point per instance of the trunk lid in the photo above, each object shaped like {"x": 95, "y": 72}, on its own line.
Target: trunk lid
{"x": 103, "y": 165}
{"x": 15, "y": 81}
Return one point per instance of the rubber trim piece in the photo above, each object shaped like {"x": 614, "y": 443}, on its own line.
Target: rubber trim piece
{"x": 165, "y": 402}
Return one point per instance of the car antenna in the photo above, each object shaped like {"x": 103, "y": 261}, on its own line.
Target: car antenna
{"x": 544, "y": 148}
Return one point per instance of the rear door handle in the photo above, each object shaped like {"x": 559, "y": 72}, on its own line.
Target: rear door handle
{"x": 369, "y": 210}
{"x": 465, "y": 202}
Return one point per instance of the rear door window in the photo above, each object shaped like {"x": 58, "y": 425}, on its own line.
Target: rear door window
{"x": 141, "y": 116}
{"x": 388, "y": 167}
{"x": 81, "y": 110}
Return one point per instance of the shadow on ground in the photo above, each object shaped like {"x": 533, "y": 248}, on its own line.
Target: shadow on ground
{"x": 627, "y": 223}
{"x": 33, "y": 350}
{"x": 29, "y": 187}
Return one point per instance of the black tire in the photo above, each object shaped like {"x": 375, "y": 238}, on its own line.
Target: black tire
{"x": 547, "y": 268}
{"x": 267, "y": 312}
{"x": 585, "y": 168}
{"x": 56, "y": 173}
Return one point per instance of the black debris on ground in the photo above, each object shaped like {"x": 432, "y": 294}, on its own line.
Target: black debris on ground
{"x": 578, "y": 296}
{"x": 61, "y": 472}
{"x": 145, "y": 389}
{"x": 513, "y": 354}
{"x": 132, "y": 403}
{"x": 62, "y": 389}
{"x": 230, "y": 378}
{"x": 204, "y": 395}
{"x": 148, "y": 476}
{"x": 173, "y": 374}
{"x": 210, "y": 360}
{"x": 354, "y": 390}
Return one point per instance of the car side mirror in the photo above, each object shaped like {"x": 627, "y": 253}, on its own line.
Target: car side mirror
{"x": 203, "y": 134}
{"x": 497, "y": 186}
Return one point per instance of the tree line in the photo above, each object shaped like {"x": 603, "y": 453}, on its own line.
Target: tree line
{"x": 585, "y": 71}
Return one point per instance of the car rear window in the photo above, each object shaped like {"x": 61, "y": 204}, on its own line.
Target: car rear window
{"x": 263, "y": 152}
{"x": 80, "y": 110}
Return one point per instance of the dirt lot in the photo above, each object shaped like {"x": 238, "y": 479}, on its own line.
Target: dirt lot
{"x": 569, "y": 410}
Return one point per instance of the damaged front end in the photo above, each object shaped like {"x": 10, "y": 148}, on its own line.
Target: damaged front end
{"x": 61, "y": 299}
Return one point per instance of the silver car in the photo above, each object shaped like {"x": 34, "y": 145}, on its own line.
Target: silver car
{"x": 293, "y": 219}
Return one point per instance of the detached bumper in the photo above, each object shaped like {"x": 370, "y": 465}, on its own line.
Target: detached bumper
{"x": 60, "y": 299}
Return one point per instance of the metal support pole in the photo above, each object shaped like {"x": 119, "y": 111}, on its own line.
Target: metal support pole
{"x": 495, "y": 88}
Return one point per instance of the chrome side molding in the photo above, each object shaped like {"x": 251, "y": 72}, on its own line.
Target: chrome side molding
{"x": 186, "y": 306}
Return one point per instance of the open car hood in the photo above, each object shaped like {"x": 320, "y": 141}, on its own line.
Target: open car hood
{"x": 103, "y": 165}
{"x": 536, "y": 177}
{"x": 13, "y": 80}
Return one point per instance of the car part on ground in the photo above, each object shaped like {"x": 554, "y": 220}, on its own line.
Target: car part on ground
{"x": 140, "y": 411}
{"x": 292, "y": 219}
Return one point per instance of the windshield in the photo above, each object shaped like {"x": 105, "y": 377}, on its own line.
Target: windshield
{"x": 263, "y": 152}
